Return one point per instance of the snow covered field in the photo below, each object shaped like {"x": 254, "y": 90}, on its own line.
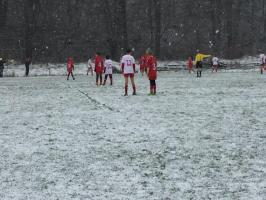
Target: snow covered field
{"x": 197, "y": 139}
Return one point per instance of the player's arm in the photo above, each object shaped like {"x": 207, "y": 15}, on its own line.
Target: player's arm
{"x": 134, "y": 65}
{"x": 205, "y": 56}
{"x": 148, "y": 69}
{"x": 122, "y": 65}
{"x": 95, "y": 64}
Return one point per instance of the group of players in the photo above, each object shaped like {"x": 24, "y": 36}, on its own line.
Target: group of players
{"x": 148, "y": 66}
{"x": 199, "y": 63}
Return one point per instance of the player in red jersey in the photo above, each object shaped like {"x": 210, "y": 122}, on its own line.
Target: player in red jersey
{"x": 142, "y": 62}
{"x": 70, "y": 68}
{"x": 99, "y": 68}
{"x": 129, "y": 68}
{"x": 190, "y": 65}
{"x": 152, "y": 72}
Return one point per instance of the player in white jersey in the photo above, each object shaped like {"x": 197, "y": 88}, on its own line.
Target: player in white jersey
{"x": 128, "y": 69}
{"x": 90, "y": 68}
{"x": 108, "y": 70}
{"x": 215, "y": 64}
{"x": 262, "y": 62}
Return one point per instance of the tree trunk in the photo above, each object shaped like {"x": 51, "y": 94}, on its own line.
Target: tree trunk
{"x": 3, "y": 12}
{"x": 229, "y": 27}
{"x": 122, "y": 23}
{"x": 29, "y": 7}
{"x": 158, "y": 27}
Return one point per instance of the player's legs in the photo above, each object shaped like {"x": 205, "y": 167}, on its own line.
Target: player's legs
{"x": 197, "y": 68}
{"x": 105, "y": 79}
{"x": 72, "y": 75}
{"x": 126, "y": 85}
{"x": 214, "y": 68}
{"x": 133, "y": 84}
{"x": 190, "y": 69}
{"x": 152, "y": 87}
{"x": 27, "y": 69}
{"x": 97, "y": 79}
{"x": 111, "y": 79}
{"x": 101, "y": 79}
{"x": 68, "y": 75}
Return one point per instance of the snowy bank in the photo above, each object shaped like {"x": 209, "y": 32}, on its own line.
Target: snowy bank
{"x": 49, "y": 69}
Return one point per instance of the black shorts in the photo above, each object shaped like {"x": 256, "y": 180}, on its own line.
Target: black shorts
{"x": 152, "y": 82}
{"x": 199, "y": 65}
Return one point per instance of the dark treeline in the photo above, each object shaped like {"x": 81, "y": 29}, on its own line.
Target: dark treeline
{"x": 51, "y": 30}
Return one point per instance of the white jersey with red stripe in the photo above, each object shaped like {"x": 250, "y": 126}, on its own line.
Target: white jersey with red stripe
{"x": 108, "y": 65}
{"x": 215, "y": 61}
{"x": 262, "y": 59}
{"x": 128, "y": 62}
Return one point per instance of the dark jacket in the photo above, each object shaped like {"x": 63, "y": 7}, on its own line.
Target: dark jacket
{"x": 28, "y": 61}
{"x": 2, "y": 62}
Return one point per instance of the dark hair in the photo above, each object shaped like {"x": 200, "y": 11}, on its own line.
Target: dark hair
{"x": 98, "y": 53}
{"x": 129, "y": 51}
{"x": 107, "y": 57}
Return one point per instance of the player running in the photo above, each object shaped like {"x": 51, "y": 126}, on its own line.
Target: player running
{"x": 108, "y": 70}
{"x": 128, "y": 69}
{"x": 198, "y": 60}
{"x": 152, "y": 72}
{"x": 70, "y": 68}
{"x": 215, "y": 64}
{"x": 262, "y": 62}
{"x": 99, "y": 67}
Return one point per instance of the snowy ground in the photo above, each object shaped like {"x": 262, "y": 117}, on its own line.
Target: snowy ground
{"x": 197, "y": 139}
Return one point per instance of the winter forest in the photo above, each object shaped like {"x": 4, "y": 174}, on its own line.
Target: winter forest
{"x": 54, "y": 29}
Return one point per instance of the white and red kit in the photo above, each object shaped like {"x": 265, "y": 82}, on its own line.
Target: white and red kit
{"x": 215, "y": 61}
{"x": 215, "y": 64}
{"x": 128, "y": 65}
{"x": 108, "y": 67}
{"x": 90, "y": 68}
{"x": 262, "y": 62}
{"x": 128, "y": 68}
{"x": 262, "y": 59}
{"x": 108, "y": 70}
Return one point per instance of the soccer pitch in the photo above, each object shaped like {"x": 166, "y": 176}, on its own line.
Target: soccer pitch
{"x": 199, "y": 138}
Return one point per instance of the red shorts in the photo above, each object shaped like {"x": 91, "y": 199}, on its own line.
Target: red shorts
{"x": 129, "y": 75}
